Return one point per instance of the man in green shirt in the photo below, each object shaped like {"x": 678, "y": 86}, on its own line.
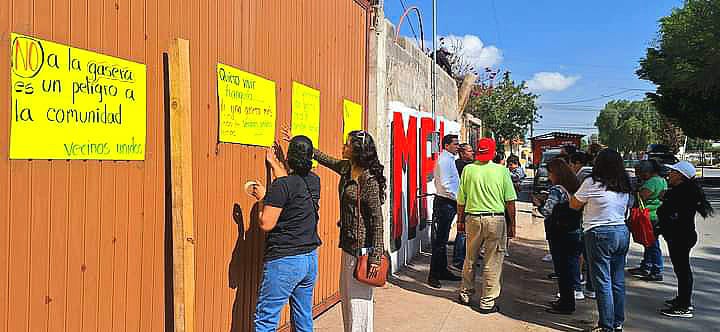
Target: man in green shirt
{"x": 486, "y": 190}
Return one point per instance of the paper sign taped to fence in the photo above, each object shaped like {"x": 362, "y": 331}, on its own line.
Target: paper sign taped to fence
{"x": 352, "y": 118}
{"x": 247, "y": 107}
{"x": 70, "y": 103}
{"x": 306, "y": 112}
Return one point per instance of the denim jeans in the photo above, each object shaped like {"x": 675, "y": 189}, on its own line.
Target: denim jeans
{"x": 290, "y": 277}
{"x": 459, "y": 249}
{"x": 566, "y": 251}
{"x": 607, "y": 248}
{"x": 444, "y": 211}
{"x": 652, "y": 258}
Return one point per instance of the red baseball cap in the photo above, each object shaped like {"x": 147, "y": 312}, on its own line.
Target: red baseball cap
{"x": 485, "y": 149}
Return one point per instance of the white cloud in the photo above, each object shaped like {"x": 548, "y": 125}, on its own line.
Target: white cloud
{"x": 475, "y": 51}
{"x": 546, "y": 81}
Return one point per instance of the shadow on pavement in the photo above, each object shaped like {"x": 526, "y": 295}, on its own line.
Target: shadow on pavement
{"x": 526, "y": 291}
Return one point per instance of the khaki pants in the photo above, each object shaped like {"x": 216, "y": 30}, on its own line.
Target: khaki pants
{"x": 356, "y": 298}
{"x": 488, "y": 233}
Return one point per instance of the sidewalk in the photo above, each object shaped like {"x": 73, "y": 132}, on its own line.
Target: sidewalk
{"x": 408, "y": 304}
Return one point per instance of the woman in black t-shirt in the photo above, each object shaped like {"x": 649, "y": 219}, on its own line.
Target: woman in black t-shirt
{"x": 289, "y": 216}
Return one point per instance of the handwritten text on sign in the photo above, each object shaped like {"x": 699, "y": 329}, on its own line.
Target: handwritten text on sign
{"x": 247, "y": 107}
{"x": 306, "y": 112}
{"x": 69, "y": 103}
{"x": 352, "y": 118}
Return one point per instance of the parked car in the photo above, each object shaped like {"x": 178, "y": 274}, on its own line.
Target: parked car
{"x": 541, "y": 182}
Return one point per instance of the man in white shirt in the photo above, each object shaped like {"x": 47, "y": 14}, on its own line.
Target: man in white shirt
{"x": 447, "y": 182}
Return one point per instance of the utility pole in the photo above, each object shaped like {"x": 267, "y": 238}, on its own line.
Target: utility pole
{"x": 436, "y": 134}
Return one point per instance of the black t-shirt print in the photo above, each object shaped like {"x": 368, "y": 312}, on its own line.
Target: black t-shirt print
{"x": 296, "y": 229}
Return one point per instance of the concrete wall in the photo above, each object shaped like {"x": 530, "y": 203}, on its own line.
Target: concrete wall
{"x": 400, "y": 102}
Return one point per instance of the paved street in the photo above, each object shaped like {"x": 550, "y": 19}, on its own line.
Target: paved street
{"x": 407, "y": 304}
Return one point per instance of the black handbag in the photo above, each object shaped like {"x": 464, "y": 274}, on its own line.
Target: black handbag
{"x": 565, "y": 219}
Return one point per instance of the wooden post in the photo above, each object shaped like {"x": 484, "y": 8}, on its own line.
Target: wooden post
{"x": 182, "y": 190}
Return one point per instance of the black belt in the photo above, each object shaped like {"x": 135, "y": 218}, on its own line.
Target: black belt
{"x": 487, "y": 214}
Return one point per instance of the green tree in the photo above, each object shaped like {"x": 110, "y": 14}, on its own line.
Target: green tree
{"x": 684, "y": 64}
{"x": 507, "y": 109}
{"x": 629, "y": 126}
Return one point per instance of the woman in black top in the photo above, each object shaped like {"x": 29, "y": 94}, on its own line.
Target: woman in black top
{"x": 676, "y": 223}
{"x": 362, "y": 192}
{"x": 289, "y": 216}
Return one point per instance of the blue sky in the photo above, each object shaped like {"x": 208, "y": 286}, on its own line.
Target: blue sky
{"x": 576, "y": 55}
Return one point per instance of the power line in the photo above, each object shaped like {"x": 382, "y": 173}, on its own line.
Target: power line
{"x": 604, "y": 96}
{"x": 412, "y": 28}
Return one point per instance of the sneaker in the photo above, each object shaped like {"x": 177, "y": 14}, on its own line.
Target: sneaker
{"x": 652, "y": 277}
{"x": 492, "y": 310}
{"x": 579, "y": 295}
{"x": 618, "y": 329}
{"x": 599, "y": 329}
{"x": 677, "y": 312}
{"x": 590, "y": 295}
{"x": 673, "y": 303}
{"x": 553, "y": 276}
{"x": 639, "y": 273}
{"x": 547, "y": 258}
{"x": 636, "y": 270}
{"x": 464, "y": 298}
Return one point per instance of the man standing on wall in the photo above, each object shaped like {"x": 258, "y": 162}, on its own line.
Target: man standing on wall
{"x": 486, "y": 191}
{"x": 466, "y": 157}
{"x": 444, "y": 210}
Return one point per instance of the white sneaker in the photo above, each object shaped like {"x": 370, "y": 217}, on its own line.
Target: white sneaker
{"x": 578, "y": 295}
{"x": 547, "y": 258}
{"x": 591, "y": 295}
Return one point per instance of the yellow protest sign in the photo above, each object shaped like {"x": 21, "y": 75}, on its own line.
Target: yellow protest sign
{"x": 306, "y": 112}
{"x": 247, "y": 107}
{"x": 70, "y": 103}
{"x": 352, "y": 117}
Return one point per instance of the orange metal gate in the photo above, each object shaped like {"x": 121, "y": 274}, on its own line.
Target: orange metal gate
{"x": 83, "y": 242}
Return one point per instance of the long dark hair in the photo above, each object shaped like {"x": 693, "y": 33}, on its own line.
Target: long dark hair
{"x": 703, "y": 206}
{"x": 300, "y": 155}
{"x": 364, "y": 154}
{"x": 564, "y": 175}
{"x": 610, "y": 171}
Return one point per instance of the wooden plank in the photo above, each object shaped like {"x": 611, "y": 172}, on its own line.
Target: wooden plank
{"x": 182, "y": 193}
{"x": 5, "y": 178}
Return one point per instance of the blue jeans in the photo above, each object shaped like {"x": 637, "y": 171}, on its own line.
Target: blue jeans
{"x": 565, "y": 250}
{"x": 607, "y": 248}
{"x": 459, "y": 249}
{"x": 444, "y": 211}
{"x": 652, "y": 258}
{"x": 291, "y": 277}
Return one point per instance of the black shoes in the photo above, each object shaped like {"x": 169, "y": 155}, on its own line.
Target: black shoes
{"x": 674, "y": 303}
{"x": 652, "y": 277}
{"x": 677, "y": 312}
{"x": 449, "y": 276}
{"x": 556, "y": 307}
{"x": 638, "y": 272}
{"x": 553, "y": 276}
{"x": 434, "y": 282}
